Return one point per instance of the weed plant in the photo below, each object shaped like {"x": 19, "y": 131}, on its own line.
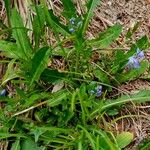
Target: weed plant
{"x": 53, "y": 108}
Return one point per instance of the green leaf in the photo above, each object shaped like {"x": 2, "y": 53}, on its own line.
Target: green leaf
{"x": 106, "y": 37}
{"x": 144, "y": 144}
{"x": 91, "y": 5}
{"x": 69, "y": 9}
{"x": 11, "y": 72}
{"x": 131, "y": 31}
{"x": 119, "y": 62}
{"x": 16, "y": 145}
{"x": 141, "y": 97}
{"x": 39, "y": 63}
{"x": 102, "y": 76}
{"x": 89, "y": 136}
{"x": 132, "y": 74}
{"x": 54, "y": 22}
{"x": 124, "y": 139}
{"x": 20, "y": 35}
{"x": 52, "y": 76}
{"x": 37, "y": 132}
{"x": 34, "y": 98}
{"x": 38, "y": 25}
{"x": 4, "y": 134}
{"x": 10, "y": 49}
{"x": 57, "y": 98}
{"x": 105, "y": 140}
{"x": 143, "y": 43}
{"x": 30, "y": 145}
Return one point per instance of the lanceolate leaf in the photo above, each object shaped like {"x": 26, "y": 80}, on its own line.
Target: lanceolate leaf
{"x": 69, "y": 9}
{"x": 123, "y": 139}
{"x": 107, "y": 37}
{"x": 10, "y": 74}
{"x": 90, "y": 6}
{"x": 53, "y": 22}
{"x": 39, "y": 63}
{"x": 16, "y": 145}
{"x": 30, "y": 145}
{"x": 132, "y": 74}
{"x": 38, "y": 25}
{"x": 10, "y": 49}
{"x": 141, "y": 97}
{"x": 20, "y": 35}
{"x": 52, "y": 76}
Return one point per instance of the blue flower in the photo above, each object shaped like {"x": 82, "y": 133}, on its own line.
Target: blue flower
{"x": 71, "y": 30}
{"x": 97, "y": 91}
{"x": 133, "y": 63}
{"x": 72, "y": 21}
{"x": 139, "y": 54}
{"x": 3, "y": 92}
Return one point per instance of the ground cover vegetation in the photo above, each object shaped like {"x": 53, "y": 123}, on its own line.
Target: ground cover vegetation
{"x": 67, "y": 107}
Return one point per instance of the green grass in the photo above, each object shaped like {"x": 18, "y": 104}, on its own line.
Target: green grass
{"x": 54, "y": 108}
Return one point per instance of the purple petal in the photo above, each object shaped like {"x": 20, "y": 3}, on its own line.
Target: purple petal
{"x": 133, "y": 63}
{"x": 140, "y": 54}
{"x": 72, "y": 21}
{"x": 99, "y": 91}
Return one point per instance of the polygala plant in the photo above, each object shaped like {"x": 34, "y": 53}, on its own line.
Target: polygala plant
{"x": 53, "y": 108}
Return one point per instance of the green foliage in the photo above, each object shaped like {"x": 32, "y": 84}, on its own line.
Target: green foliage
{"x": 91, "y": 5}
{"x": 39, "y": 63}
{"x": 19, "y": 32}
{"x": 144, "y": 144}
{"x": 124, "y": 139}
{"x": 69, "y": 9}
{"x": 39, "y": 114}
{"x": 38, "y": 25}
{"x": 107, "y": 37}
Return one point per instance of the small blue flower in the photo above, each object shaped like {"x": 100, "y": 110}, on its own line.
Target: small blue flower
{"x": 3, "y": 92}
{"x": 139, "y": 54}
{"x": 72, "y": 21}
{"x": 71, "y": 30}
{"x": 97, "y": 91}
{"x": 133, "y": 62}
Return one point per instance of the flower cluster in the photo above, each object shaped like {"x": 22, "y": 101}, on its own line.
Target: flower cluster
{"x": 3, "y": 92}
{"x": 74, "y": 24}
{"x": 97, "y": 91}
{"x": 134, "y": 61}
